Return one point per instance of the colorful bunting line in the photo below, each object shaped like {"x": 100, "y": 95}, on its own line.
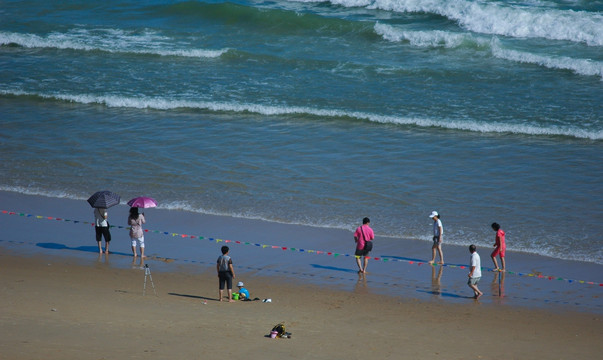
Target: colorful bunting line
{"x": 317, "y": 252}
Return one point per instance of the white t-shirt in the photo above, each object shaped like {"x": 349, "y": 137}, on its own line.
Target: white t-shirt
{"x": 99, "y": 220}
{"x": 476, "y": 261}
{"x": 436, "y": 228}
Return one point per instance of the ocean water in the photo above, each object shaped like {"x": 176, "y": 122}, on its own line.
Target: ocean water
{"x": 317, "y": 112}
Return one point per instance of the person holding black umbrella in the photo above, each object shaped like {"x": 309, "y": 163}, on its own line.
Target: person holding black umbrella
{"x": 101, "y": 225}
{"x": 100, "y": 201}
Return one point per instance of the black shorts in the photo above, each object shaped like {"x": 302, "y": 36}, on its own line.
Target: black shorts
{"x": 361, "y": 252}
{"x": 102, "y": 231}
{"x": 225, "y": 279}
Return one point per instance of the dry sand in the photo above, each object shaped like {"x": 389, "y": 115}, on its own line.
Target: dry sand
{"x": 57, "y": 308}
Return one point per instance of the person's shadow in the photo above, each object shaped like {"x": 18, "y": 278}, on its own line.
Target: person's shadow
{"x": 194, "y": 296}
{"x": 92, "y": 249}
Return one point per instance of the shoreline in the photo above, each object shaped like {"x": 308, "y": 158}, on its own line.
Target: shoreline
{"x": 563, "y": 284}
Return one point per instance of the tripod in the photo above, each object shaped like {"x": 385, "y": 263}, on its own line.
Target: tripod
{"x": 147, "y": 271}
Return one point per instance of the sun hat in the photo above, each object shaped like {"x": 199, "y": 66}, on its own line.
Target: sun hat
{"x": 433, "y": 213}
{"x": 240, "y": 283}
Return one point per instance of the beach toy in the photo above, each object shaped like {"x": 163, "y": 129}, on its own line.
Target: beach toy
{"x": 235, "y": 296}
{"x": 273, "y": 334}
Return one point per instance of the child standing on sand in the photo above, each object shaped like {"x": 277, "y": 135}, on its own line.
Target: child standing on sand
{"x": 225, "y": 273}
{"x": 476, "y": 272}
{"x": 499, "y": 247}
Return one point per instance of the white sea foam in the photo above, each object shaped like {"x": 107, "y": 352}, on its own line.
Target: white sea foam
{"x": 446, "y": 39}
{"x": 41, "y": 192}
{"x": 435, "y": 38}
{"x": 112, "y": 41}
{"x": 185, "y": 206}
{"x": 579, "y": 66}
{"x": 453, "y": 124}
{"x": 499, "y": 18}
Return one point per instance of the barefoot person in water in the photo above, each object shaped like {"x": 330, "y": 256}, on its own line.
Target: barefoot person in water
{"x": 499, "y": 247}
{"x": 363, "y": 235}
{"x": 438, "y": 232}
{"x": 476, "y": 272}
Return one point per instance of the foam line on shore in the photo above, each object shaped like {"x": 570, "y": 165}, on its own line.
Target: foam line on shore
{"x": 296, "y": 249}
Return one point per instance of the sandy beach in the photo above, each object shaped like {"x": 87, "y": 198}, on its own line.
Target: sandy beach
{"x": 56, "y": 308}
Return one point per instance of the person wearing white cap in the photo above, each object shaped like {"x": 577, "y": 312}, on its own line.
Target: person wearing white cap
{"x": 438, "y": 231}
{"x": 243, "y": 293}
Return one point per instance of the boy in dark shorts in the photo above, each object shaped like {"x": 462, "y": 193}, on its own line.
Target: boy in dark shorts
{"x": 225, "y": 273}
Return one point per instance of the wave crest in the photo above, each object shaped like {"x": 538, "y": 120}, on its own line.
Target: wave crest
{"x": 438, "y": 38}
{"x": 107, "y": 40}
{"x": 497, "y": 18}
{"x": 452, "y": 124}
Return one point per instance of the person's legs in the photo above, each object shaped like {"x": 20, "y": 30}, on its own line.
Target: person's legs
{"x": 495, "y": 263}
{"x": 221, "y": 282}
{"x": 493, "y": 256}
{"x": 502, "y": 261}
{"x": 107, "y": 235}
{"x": 365, "y": 264}
{"x": 141, "y": 245}
{"x": 473, "y": 285}
{"x": 99, "y": 235}
{"x": 433, "y": 253}
{"x": 229, "y": 286}
{"x": 439, "y": 248}
{"x": 359, "y": 263}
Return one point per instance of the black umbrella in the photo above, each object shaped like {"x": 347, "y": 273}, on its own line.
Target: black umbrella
{"x": 104, "y": 199}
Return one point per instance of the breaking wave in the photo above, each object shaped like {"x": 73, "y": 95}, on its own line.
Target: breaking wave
{"x": 107, "y": 40}
{"x": 270, "y": 110}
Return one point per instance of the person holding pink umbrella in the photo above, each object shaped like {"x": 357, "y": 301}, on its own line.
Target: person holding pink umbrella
{"x": 135, "y": 220}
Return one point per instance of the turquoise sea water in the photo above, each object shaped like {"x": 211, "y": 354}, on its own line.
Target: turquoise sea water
{"x": 317, "y": 113}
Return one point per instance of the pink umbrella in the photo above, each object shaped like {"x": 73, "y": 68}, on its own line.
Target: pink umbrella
{"x": 142, "y": 202}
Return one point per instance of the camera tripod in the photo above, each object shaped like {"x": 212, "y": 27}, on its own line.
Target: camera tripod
{"x": 147, "y": 271}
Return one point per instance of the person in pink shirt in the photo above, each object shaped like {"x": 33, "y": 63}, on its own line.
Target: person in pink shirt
{"x": 363, "y": 238}
{"x": 499, "y": 247}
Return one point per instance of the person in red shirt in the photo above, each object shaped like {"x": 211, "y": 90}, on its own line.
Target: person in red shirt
{"x": 499, "y": 247}
{"x": 363, "y": 235}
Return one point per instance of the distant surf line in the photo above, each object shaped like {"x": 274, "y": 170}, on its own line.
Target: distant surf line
{"x": 64, "y": 42}
{"x": 274, "y": 110}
